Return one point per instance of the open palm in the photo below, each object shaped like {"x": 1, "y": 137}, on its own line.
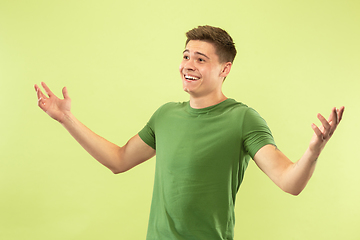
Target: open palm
{"x": 323, "y": 133}
{"x": 55, "y": 107}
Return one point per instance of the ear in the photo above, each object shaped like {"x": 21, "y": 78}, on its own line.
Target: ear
{"x": 225, "y": 69}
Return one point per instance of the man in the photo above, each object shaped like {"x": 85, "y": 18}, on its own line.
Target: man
{"x": 202, "y": 146}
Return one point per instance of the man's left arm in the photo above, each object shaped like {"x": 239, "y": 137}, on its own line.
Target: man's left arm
{"x": 293, "y": 177}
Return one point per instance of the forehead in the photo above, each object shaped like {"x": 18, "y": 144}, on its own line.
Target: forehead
{"x": 198, "y": 46}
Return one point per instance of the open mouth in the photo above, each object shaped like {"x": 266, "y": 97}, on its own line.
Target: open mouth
{"x": 191, "y": 78}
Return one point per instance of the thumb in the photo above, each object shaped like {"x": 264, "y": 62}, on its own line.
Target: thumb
{"x": 65, "y": 93}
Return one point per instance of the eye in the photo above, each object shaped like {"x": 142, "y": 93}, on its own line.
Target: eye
{"x": 201, "y": 60}
{"x": 186, "y": 57}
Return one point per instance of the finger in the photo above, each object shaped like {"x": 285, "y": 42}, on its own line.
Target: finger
{"x": 333, "y": 120}
{"x": 340, "y": 112}
{"x": 65, "y": 93}
{"x": 39, "y": 93}
{"x": 333, "y": 116}
{"x": 325, "y": 124}
{"x": 37, "y": 89}
{"x": 317, "y": 131}
{"x": 47, "y": 89}
{"x": 41, "y": 102}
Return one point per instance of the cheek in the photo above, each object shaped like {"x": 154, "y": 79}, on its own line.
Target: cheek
{"x": 181, "y": 67}
{"x": 182, "y": 64}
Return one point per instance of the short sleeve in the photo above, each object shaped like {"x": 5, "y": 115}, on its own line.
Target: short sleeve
{"x": 147, "y": 134}
{"x": 256, "y": 132}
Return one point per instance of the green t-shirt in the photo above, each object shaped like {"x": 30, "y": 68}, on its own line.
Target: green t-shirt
{"x": 201, "y": 157}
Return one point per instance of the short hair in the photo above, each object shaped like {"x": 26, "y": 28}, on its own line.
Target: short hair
{"x": 223, "y": 43}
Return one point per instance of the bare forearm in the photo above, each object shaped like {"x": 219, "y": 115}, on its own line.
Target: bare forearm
{"x": 290, "y": 177}
{"x": 299, "y": 173}
{"x": 293, "y": 177}
{"x": 117, "y": 159}
{"x": 102, "y": 150}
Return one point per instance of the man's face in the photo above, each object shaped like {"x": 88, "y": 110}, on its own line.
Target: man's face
{"x": 200, "y": 70}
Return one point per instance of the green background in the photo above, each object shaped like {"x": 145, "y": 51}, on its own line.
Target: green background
{"x": 120, "y": 62}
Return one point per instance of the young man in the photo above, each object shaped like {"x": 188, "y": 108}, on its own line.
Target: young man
{"x": 202, "y": 146}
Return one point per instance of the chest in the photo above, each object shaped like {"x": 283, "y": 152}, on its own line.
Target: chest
{"x": 196, "y": 143}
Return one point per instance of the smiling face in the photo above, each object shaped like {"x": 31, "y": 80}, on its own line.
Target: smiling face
{"x": 201, "y": 72}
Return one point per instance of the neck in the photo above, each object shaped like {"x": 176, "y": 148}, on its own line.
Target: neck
{"x": 206, "y": 101}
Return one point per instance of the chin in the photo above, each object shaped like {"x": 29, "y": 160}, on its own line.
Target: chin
{"x": 186, "y": 89}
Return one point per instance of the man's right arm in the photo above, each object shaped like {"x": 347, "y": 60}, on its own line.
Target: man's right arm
{"x": 117, "y": 159}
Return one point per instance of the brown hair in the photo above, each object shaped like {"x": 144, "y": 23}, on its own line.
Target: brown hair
{"x": 223, "y": 43}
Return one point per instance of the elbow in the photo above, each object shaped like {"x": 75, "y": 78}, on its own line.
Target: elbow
{"x": 292, "y": 189}
{"x": 118, "y": 170}
{"x": 118, "y": 166}
{"x": 294, "y": 192}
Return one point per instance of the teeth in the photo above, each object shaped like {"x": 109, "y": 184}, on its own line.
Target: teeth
{"x": 191, "y": 78}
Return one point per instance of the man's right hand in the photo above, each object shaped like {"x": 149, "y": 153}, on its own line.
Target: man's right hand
{"x": 55, "y": 107}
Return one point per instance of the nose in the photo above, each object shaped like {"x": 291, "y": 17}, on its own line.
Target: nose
{"x": 189, "y": 64}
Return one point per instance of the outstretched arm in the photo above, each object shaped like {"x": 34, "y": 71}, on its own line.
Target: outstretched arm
{"x": 117, "y": 159}
{"x": 293, "y": 177}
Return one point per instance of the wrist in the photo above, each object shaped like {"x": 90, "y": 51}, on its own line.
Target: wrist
{"x": 312, "y": 154}
{"x": 67, "y": 118}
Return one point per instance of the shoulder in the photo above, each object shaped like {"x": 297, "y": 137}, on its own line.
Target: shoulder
{"x": 233, "y": 104}
{"x": 235, "y": 107}
{"x": 247, "y": 115}
{"x": 243, "y": 108}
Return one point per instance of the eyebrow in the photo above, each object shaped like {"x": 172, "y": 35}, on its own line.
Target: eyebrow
{"x": 199, "y": 53}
